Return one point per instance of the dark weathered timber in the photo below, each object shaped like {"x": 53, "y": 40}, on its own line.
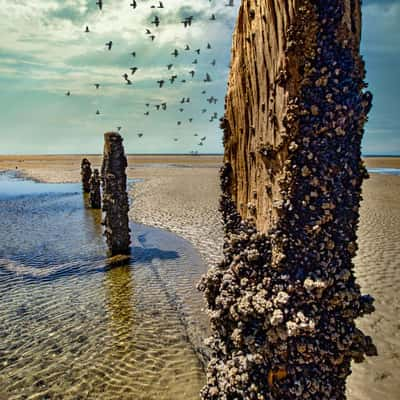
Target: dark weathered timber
{"x": 115, "y": 197}
{"x": 95, "y": 192}
{"x": 86, "y": 173}
{"x": 284, "y": 300}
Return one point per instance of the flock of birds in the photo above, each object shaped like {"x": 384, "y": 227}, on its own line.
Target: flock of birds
{"x": 187, "y": 22}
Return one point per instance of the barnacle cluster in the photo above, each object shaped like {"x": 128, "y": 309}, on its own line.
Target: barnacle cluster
{"x": 283, "y": 304}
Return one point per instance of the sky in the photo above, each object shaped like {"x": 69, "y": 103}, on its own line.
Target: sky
{"x": 45, "y": 52}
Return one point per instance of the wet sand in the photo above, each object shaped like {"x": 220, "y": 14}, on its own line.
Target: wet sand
{"x": 181, "y": 194}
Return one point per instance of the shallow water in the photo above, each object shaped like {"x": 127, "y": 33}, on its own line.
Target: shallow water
{"x": 385, "y": 171}
{"x": 71, "y": 326}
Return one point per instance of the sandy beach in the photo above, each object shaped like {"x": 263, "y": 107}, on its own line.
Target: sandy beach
{"x": 180, "y": 194}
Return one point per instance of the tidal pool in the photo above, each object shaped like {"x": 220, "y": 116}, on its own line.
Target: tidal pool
{"x": 72, "y": 326}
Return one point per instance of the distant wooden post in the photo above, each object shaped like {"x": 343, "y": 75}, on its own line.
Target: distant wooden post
{"x": 284, "y": 300}
{"x": 115, "y": 197}
{"x": 95, "y": 193}
{"x": 86, "y": 173}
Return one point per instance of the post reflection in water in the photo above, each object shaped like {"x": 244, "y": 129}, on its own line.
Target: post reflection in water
{"x": 73, "y": 326}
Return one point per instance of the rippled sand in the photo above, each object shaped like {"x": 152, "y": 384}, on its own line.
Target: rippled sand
{"x": 185, "y": 200}
{"x": 73, "y": 326}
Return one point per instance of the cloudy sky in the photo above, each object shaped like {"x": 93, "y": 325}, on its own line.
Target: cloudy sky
{"x": 45, "y": 53}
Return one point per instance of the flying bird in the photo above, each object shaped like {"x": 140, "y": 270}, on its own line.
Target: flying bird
{"x": 133, "y": 4}
{"x": 156, "y": 21}
{"x": 187, "y": 21}
{"x": 187, "y": 47}
{"x": 119, "y": 128}
{"x": 68, "y": 93}
{"x": 133, "y": 53}
{"x": 140, "y": 135}
{"x": 97, "y": 85}
{"x": 133, "y": 70}
{"x": 169, "y": 66}
{"x": 213, "y": 62}
{"x": 175, "y": 53}
{"x": 160, "y": 5}
{"x": 128, "y": 82}
{"x": 109, "y": 45}
{"x": 192, "y": 73}
{"x": 197, "y": 51}
{"x": 208, "y": 46}
{"x": 97, "y": 112}
{"x": 207, "y": 78}
{"x": 100, "y": 4}
{"x": 230, "y": 4}
{"x": 148, "y": 31}
{"x": 212, "y": 17}
{"x": 179, "y": 122}
{"x": 125, "y": 76}
{"x": 161, "y": 83}
{"x": 164, "y": 106}
{"x": 173, "y": 77}
{"x": 87, "y": 29}
{"x": 195, "y": 61}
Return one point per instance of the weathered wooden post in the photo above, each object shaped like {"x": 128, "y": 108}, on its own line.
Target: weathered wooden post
{"x": 115, "y": 197}
{"x": 95, "y": 193}
{"x": 86, "y": 173}
{"x": 284, "y": 300}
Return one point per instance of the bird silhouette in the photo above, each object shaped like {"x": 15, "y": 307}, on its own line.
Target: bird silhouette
{"x": 179, "y": 122}
{"x": 173, "y": 77}
{"x": 195, "y": 61}
{"x": 156, "y": 21}
{"x": 196, "y": 134}
{"x": 125, "y": 76}
{"x": 100, "y": 4}
{"x": 208, "y": 46}
{"x": 169, "y": 66}
{"x": 133, "y": 70}
{"x": 152, "y": 37}
{"x": 192, "y": 73}
{"x": 87, "y": 29}
{"x": 203, "y": 138}
{"x": 133, "y": 4}
{"x": 175, "y": 53}
{"x": 160, "y": 5}
{"x": 213, "y": 62}
{"x": 164, "y": 106}
{"x": 68, "y": 93}
{"x": 212, "y": 17}
{"x": 119, "y": 128}
{"x": 176, "y": 139}
{"x": 133, "y": 53}
{"x": 148, "y": 31}
{"x": 187, "y": 21}
{"x": 146, "y": 113}
{"x": 109, "y": 45}
{"x": 160, "y": 83}
{"x": 190, "y": 120}
{"x": 97, "y": 85}
{"x": 187, "y": 47}
{"x": 128, "y": 82}
{"x": 230, "y": 4}
{"x": 97, "y": 112}
{"x": 207, "y": 78}
{"x": 140, "y": 135}
{"x": 197, "y": 51}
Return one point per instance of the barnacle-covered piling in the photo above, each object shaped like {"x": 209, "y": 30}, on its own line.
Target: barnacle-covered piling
{"x": 115, "y": 197}
{"x": 284, "y": 299}
{"x": 86, "y": 173}
{"x": 95, "y": 193}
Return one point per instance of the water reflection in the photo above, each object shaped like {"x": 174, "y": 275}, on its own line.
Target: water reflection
{"x": 72, "y": 325}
